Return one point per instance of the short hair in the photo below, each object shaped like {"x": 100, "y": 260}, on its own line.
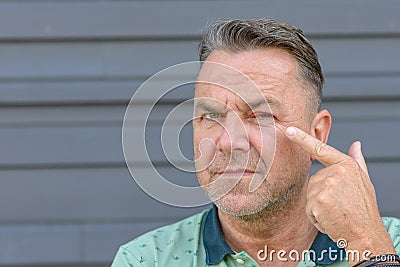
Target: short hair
{"x": 245, "y": 35}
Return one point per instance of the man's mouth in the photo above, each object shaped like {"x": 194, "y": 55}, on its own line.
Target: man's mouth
{"x": 235, "y": 172}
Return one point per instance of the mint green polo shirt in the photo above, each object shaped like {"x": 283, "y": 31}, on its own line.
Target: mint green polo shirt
{"x": 198, "y": 241}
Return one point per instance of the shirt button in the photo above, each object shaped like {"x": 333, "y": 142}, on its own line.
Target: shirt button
{"x": 240, "y": 261}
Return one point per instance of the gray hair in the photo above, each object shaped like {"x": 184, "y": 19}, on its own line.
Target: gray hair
{"x": 245, "y": 35}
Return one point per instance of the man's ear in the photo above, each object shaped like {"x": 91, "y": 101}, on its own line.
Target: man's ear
{"x": 321, "y": 126}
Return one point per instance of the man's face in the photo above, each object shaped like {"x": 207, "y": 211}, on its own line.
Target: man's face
{"x": 238, "y": 137}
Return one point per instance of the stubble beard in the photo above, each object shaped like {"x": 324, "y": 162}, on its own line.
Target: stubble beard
{"x": 267, "y": 203}
{"x": 269, "y": 199}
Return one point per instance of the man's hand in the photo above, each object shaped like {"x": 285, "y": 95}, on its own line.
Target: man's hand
{"x": 341, "y": 199}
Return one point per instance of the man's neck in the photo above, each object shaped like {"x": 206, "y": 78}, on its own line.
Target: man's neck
{"x": 287, "y": 230}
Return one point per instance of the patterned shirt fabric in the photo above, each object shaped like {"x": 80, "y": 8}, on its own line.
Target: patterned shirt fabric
{"x": 198, "y": 241}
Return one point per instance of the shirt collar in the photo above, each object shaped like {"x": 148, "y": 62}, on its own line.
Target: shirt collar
{"x": 214, "y": 243}
{"x": 323, "y": 250}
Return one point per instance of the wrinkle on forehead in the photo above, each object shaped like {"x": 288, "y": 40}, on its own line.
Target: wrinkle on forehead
{"x": 271, "y": 82}
{"x": 249, "y": 82}
{"x": 227, "y": 78}
{"x": 273, "y": 61}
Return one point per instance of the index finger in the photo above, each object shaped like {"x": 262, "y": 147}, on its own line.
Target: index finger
{"x": 322, "y": 152}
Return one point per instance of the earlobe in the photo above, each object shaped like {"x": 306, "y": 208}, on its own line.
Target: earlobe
{"x": 321, "y": 126}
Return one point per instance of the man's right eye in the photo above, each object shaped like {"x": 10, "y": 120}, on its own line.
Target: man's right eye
{"x": 211, "y": 116}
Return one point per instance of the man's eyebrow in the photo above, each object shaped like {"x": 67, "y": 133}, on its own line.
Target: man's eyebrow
{"x": 263, "y": 101}
{"x": 206, "y": 105}
{"x": 210, "y": 106}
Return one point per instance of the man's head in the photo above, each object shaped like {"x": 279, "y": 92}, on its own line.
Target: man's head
{"x": 284, "y": 67}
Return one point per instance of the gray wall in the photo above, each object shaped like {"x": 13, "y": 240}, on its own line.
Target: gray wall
{"x": 69, "y": 68}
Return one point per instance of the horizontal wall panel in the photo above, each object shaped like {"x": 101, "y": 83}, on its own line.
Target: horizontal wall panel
{"x": 43, "y": 19}
{"x": 50, "y": 60}
{"x": 385, "y": 177}
{"x": 61, "y": 145}
{"x": 61, "y": 115}
{"x": 80, "y": 145}
{"x": 85, "y": 195}
{"x": 27, "y": 116}
{"x": 362, "y": 87}
{"x": 358, "y": 55}
{"x": 87, "y": 59}
{"x": 366, "y": 111}
{"x": 377, "y": 137}
{"x": 144, "y": 58}
{"x": 82, "y": 92}
{"x": 31, "y": 244}
{"x": 67, "y": 91}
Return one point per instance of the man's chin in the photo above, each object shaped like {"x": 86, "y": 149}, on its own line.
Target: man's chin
{"x": 239, "y": 205}
{"x": 250, "y": 206}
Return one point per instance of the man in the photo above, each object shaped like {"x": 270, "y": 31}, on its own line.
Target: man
{"x": 271, "y": 206}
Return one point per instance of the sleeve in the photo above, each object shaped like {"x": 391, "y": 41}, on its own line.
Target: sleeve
{"x": 124, "y": 258}
{"x": 393, "y": 229}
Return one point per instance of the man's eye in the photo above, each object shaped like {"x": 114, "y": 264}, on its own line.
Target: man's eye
{"x": 211, "y": 116}
{"x": 264, "y": 116}
{"x": 262, "y": 119}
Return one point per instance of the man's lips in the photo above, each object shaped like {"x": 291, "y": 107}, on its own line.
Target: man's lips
{"x": 235, "y": 172}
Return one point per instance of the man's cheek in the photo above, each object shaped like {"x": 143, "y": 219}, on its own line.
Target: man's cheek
{"x": 268, "y": 144}
{"x": 204, "y": 151}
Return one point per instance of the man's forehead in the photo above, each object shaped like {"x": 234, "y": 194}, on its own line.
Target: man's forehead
{"x": 223, "y": 78}
{"x": 242, "y": 83}
{"x": 268, "y": 62}
{"x": 250, "y": 94}
{"x": 224, "y": 74}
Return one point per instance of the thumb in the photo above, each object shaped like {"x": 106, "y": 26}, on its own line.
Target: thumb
{"x": 356, "y": 153}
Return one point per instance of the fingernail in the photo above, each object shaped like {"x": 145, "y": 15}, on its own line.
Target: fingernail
{"x": 359, "y": 145}
{"x": 291, "y": 131}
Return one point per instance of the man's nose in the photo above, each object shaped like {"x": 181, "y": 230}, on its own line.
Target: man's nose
{"x": 234, "y": 135}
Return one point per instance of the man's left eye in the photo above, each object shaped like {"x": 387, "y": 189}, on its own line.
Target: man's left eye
{"x": 264, "y": 116}
{"x": 262, "y": 119}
